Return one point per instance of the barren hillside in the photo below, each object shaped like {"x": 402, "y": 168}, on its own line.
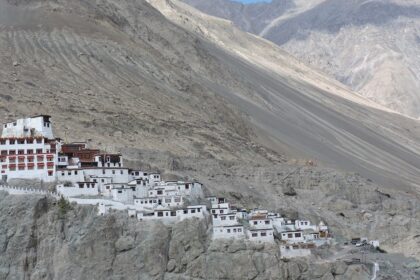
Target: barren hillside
{"x": 371, "y": 46}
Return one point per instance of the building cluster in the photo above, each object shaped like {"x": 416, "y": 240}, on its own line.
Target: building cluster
{"x": 29, "y": 150}
{"x": 295, "y": 236}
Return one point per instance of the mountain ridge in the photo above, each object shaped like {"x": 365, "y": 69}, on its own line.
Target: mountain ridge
{"x": 370, "y": 46}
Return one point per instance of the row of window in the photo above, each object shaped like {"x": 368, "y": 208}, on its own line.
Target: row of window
{"x": 24, "y": 152}
{"x": 25, "y": 167}
{"x": 223, "y": 218}
{"x": 173, "y": 213}
{"x": 290, "y": 235}
{"x": 267, "y": 222}
{"x": 21, "y": 141}
{"x": 232, "y": 230}
{"x": 26, "y": 159}
{"x": 82, "y": 185}
{"x": 262, "y": 234}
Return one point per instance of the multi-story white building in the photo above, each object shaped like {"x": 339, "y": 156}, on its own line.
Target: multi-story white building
{"x": 28, "y": 150}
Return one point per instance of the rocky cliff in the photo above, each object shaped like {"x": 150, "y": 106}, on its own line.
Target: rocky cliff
{"x": 41, "y": 240}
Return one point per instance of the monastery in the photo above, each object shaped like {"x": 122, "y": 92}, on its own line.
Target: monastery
{"x": 88, "y": 176}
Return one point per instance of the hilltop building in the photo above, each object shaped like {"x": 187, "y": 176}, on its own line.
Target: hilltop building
{"x": 28, "y": 149}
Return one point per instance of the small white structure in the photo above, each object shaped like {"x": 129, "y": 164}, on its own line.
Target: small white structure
{"x": 123, "y": 193}
{"x": 220, "y": 208}
{"x": 166, "y": 214}
{"x": 292, "y": 236}
{"x": 261, "y": 235}
{"x": 226, "y": 232}
{"x": 28, "y": 150}
{"x": 221, "y": 220}
{"x": 104, "y": 209}
{"x": 36, "y": 126}
{"x": 78, "y": 189}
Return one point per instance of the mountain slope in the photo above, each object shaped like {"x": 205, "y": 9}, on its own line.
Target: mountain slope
{"x": 371, "y": 46}
{"x": 122, "y": 75}
{"x": 303, "y": 110}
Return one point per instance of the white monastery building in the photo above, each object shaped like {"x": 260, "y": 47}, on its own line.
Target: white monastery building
{"x": 28, "y": 150}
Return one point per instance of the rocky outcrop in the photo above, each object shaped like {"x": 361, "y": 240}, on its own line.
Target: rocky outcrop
{"x": 36, "y": 242}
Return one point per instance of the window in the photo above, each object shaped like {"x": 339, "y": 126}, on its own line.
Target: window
{"x": 289, "y": 235}
{"x": 298, "y": 234}
{"x": 228, "y": 230}
{"x": 103, "y": 171}
{"x": 75, "y": 173}
{"x": 94, "y": 180}
{"x": 3, "y": 142}
{"x": 267, "y": 222}
{"x": 103, "y": 180}
{"x": 173, "y": 213}
{"x": 239, "y": 230}
{"x": 12, "y": 141}
{"x": 3, "y": 152}
{"x": 21, "y": 167}
{"x": 187, "y": 186}
{"x": 263, "y": 234}
{"x": 159, "y": 192}
{"x": 119, "y": 191}
{"x": 234, "y": 230}
{"x": 21, "y": 141}
{"x": 254, "y": 234}
{"x": 177, "y": 199}
{"x": 223, "y": 218}
{"x": 69, "y": 173}
{"x": 30, "y": 152}
{"x": 221, "y": 211}
{"x": 122, "y": 172}
{"x": 198, "y": 210}
{"x": 14, "y": 124}
{"x": 185, "y": 211}
{"x": 62, "y": 173}
{"x": 81, "y": 185}
{"x": 30, "y": 159}
{"x": 30, "y": 141}
{"x": 39, "y": 151}
{"x": 160, "y": 214}
{"x": 113, "y": 172}
{"x": 168, "y": 200}
{"x": 255, "y": 222}
{"x": 231, "y": 218}
{"x": 12, "y": 152}
{"x": 213, "y": 211}
{"x": 39, "y": 140}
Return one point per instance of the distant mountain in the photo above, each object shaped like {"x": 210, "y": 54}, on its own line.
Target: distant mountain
{"x": 371, "y": 46}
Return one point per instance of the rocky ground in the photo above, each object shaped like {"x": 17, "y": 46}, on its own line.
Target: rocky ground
{"x": 42, "y": 239}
